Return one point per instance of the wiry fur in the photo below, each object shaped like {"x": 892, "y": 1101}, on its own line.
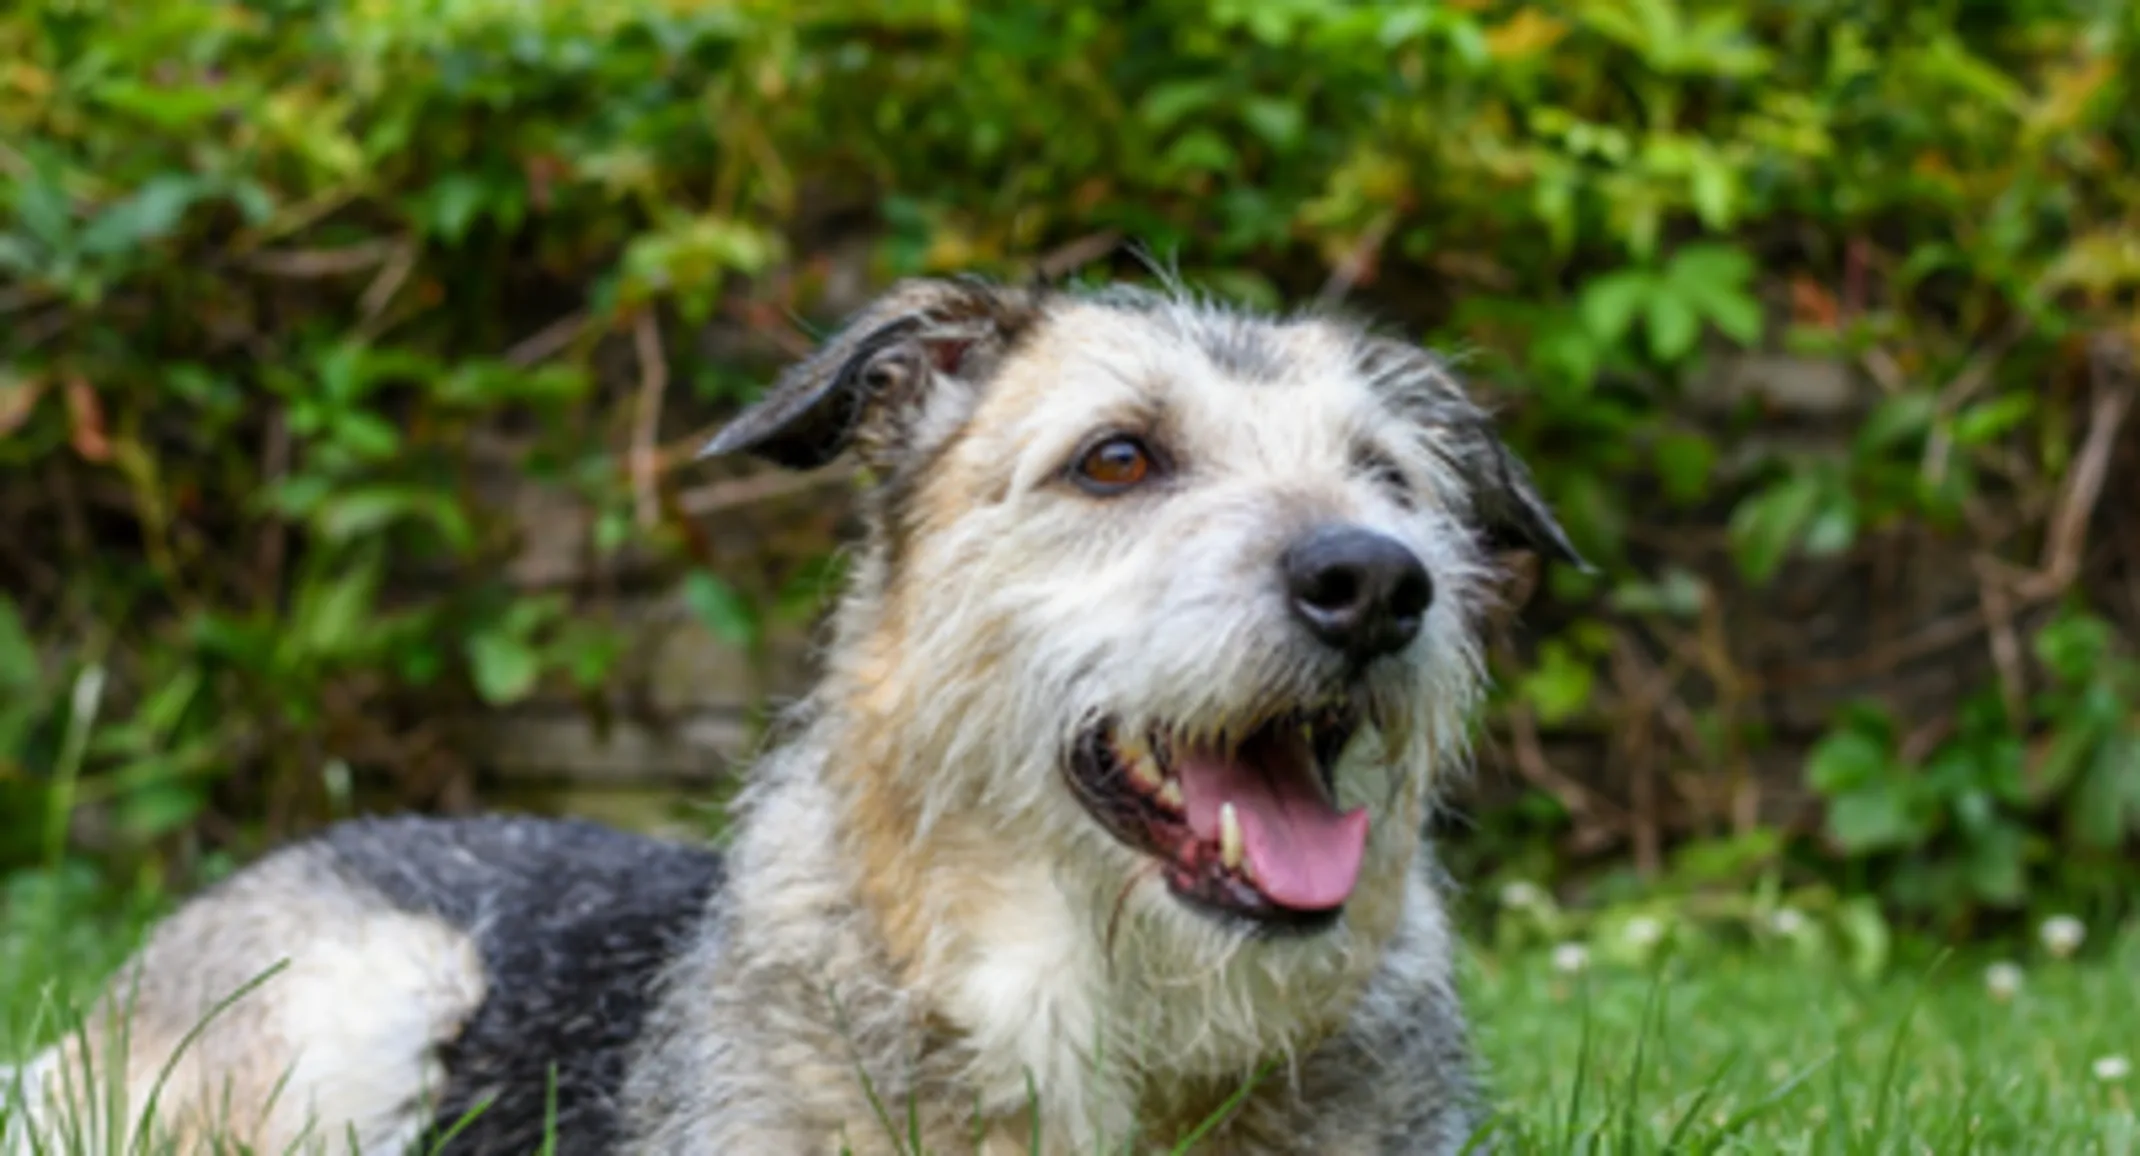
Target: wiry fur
{"x": 923, "y": 934}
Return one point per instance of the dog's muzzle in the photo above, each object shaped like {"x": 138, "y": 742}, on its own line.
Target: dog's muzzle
{"x": 1242, "y": 825}
{"x": 1242, "y": 816}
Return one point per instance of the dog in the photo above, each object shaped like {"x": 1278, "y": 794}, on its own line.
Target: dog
{"x": 1102, "y": 829}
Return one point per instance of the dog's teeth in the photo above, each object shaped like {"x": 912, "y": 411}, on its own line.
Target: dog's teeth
{"x": 1169, "y": 794}
{"x": 1229, "y": 837}
{"x": 1145, "y": 773}
{"x": 1143, "y": 768}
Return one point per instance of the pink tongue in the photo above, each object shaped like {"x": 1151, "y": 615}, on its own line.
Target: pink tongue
{"x": 1305, "y": 854}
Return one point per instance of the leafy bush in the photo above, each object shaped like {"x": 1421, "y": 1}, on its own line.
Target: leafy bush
{"x": 290, "y": 284}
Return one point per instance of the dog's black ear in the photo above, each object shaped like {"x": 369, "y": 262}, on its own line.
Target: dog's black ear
{"x": 878, "y": 370}
{"x": 1510, "y": 512}
{"x": 1509, "y": 508}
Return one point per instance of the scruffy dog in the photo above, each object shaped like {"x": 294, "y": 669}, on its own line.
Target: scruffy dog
{"x": 1103, "y": 825}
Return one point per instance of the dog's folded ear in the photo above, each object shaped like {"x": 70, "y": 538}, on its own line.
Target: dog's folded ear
{"x": 1505, "y": 502}
{"x": 865, "y": 386}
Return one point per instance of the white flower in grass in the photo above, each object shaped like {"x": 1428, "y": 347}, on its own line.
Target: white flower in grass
{"x": 1570, "y": 958}
{"x": 2111, "y": 1069}
{"x": 2003, "y": 980}
{"x": 1523, "y": 895}
{"x": 2062, "y": 935}
{"x": 1787, "y": 921}
{"x": 1643, "y": 931}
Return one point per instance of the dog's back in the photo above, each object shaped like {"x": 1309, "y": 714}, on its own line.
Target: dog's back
{"x": 485, "y": 977}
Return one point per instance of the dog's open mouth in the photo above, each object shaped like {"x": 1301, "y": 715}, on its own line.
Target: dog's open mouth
{"x": 1248, "y": 826}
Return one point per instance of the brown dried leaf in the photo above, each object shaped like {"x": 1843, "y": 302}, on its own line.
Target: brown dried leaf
{"x": 87, "y": 414}
{"x": 18, "y": 398}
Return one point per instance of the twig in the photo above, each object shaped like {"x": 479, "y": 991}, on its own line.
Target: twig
{"x": 1641, "y": 689}
{"x": 1973, "y": 377}
{"x": 1069, "y": 258}
{"x": 2066, "y": 541}
{"x": 755, "y": 488}
{"x": 23, "y": 297}
{"x": 1359, "y": 260}
{"x": 310, "y": 264}
{"x": 548, "y": 341}
{"x": 646, "y": 416}
{"x": 1920, "y": 742}
{"x": 1678, "y": 719}
{"x": 1836, "y": 671}
{"x": 2005, "y": 644}
{"x": 1886, "y": 372}
{"x": 1530, "y": 760}
{"x": 380, "y": 293}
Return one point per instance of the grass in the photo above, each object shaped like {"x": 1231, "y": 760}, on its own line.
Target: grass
{"x": 1735, "y": 1052}
{"x": 1740, "y": 1053}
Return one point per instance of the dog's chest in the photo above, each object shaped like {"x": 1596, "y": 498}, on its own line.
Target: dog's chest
{"x": 1028, "y": 998}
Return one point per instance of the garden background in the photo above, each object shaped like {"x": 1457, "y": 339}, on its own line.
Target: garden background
{"x": 353, "y": 356}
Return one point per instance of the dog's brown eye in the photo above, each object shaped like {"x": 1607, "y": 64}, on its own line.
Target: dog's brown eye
{"x": 1114, "y": 465}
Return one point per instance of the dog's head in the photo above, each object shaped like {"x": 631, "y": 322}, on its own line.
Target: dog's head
{"x": 1190, "y": 585}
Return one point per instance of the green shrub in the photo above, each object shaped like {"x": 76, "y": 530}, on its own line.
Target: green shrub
{"x": 286, "y": 281}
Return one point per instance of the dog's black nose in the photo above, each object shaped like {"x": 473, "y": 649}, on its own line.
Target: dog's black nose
{"x": 1361, "y": 592}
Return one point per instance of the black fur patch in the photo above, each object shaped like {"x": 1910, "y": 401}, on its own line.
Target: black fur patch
{"x": 574, "y": 922}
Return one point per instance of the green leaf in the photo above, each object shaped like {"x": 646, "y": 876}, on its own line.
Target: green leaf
{"x": 1673, "y": 327}
{"x": 2073, "y": 646}
{"x": 1766, "y": 526}
{"x": 1679, "y": 594}
{"x": 1872, "y": 818}
{"x": 1834, "y": 529}
{"x": 1703, "y": 269}
{"x": 1735, "y": 314}
{"x": 1864, "y": 929}
{"x": 19, "y": 668}
{"x": 1898, "y": 418}
{"x": 44, "y": 210}
{"x": 1200, "y": 150}
{"x": 366, "y": 435}
{"x": 166, "y": 705}
{"x": 1279, "y": 122}
{"x": 1169, "y": 103}
{"x": 504, "y": 667}
{"x": 160, "y": 809}
{"x": 1986, "y": 420}
{"x": 331, "y": 614}
{"x": 1685, "y": 462}
{"x": 1713, "y": 187}
{"x": 1996, "y": 869}
{"x": 2062, "y": 760}
{"x": 2097, "y": 811}
{"x": 1560, "y": 686}
{"x": 1609, "y": 303}
{"x": 722, "y": 610}
{"x": 170, "y": 108}
{"x": 368, "y": 511}
{"x": 1845, "y": 761}
{"x": 148, "y": 215}
{"x": 450, "y": 206}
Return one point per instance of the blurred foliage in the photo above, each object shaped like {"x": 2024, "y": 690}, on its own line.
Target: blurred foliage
{"x": 282, "y": 284}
